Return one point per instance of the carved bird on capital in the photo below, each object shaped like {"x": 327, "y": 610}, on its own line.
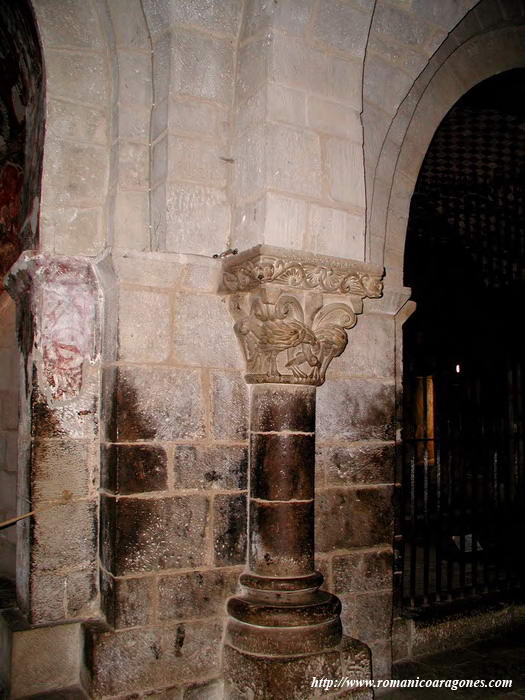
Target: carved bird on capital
{"x": 284, "y": 334}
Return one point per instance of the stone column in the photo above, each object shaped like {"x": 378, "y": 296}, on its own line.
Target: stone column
{"x": 292, "y": 312}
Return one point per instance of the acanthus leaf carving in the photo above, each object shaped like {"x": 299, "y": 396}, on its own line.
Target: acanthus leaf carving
{"x": 280, "y": 345}
{"x": 292, "y": 311}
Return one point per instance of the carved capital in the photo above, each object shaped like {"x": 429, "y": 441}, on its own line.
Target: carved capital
{"x": 292, "y": 310}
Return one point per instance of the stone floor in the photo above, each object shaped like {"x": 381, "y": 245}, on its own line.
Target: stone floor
{"x": 502, "y": 658}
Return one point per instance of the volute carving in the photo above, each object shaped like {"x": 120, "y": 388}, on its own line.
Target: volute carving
{"x": 291, "y": 335}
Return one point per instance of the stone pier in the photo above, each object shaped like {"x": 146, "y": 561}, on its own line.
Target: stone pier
{"x": 291, "y": 315}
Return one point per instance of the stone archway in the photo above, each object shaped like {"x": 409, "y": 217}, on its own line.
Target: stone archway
{"x": 444, "y": 81}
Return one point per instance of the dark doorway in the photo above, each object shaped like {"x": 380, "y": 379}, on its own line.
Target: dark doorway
{"x": 463, "y": 514}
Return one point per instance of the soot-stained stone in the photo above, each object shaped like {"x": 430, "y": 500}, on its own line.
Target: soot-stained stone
{"x": 155, "y": 403}
{"x": 195, "y": 594}
{"x": 156, "y": 533}
{"x": 59, "y": 465}
{"x": 365, "y": 462}
{"x": 132, "y": 601}
{"x": 282, "y": 466}
{"x": 275, "y": 408}
{"x": 133, "y": 468}
{"x": 221, "y": 467}
{"x": 372, "y": 516}
{"x": 229, "y": 529}
{"x": 333, "y": 522}
{"x": 355, "y": 409}
{"x": 65, "y": 536}
{"x": 360, "y": 517}
{"x": 367, "y": 616}
{"x": 229, "y": 405}
{"x": 362, "y": 571}
{"x": 191, "y": 650}
{"x": 74, "y": 419}
{"x": 125, "y": 662}
{"x": 281, "y": 538}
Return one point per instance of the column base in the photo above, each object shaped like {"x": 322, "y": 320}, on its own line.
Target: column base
{"x": 258, "y": 677}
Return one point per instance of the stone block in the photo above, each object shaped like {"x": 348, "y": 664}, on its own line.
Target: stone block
{"x": 7, "y": 495}
{"x": 156, "y": 404}
{"x": 144, "y": 326}
{"x": 403, "y": 26}
{"x": 161, "y": 66}
{"x": 129, "y": 24}
{"x": 367, "y": 616}
{"x": 355, "y": 409}
{"x": 68, "y": 23}
{"x": 342, "y": 26}
{"x": 197, "y": 161}
{"x": 59, "y": 465}
{"x": 76, "y": 173}
{"x": 333, "y": 520}
{"x": 203, "y": 276}
{"x": 362, "y": 571}
{"x": 149, "y": 270}
{"x": 134, "y": 122}
{"x": 372, "y": 516}
{"x": 285, "y": 105}
{"x": 250, "y": 155}
{"x": 82, "y": 592}
{"x": 76, "y": 122}
{"x": 192, "y": 650}
{"x": 346, "y": 171}
{"x": 133, "y": 164}
{"x": 218, "y": 467}
{"x": 370, "y": 350}
{"x": 334, "y": 118}
{"x": 65, "y": 536}
{"x": 133, "y": 468}
{"x": 223, "y": 17}
{"x": 74, "y": 230}
{"x": 151, "y": 534}
{"x": 285, "y": 145}
{"x": 291, "y": 16}
{"x": 132, "y": 221}
{"x": 125, "y": 662}
{"x": 248, "y": 675}
{"x": 132, "y": 601}
{"x": 296, "y": 64}
{"x": 365, "y": 462}
{"x": 197, "y": 219}
{"x": 190, "y": 116}
{"x": 229, "y": 406}
{"x": 195, "y": 594}
{"x": 77, "y": 76}
{"x": 8, "y": 411}
{"x": 202, "y": 322}
{"x": 285, "y": 221}
{"x": 35, "y": 653}
{"x": 229, "y": 529}
{"x": 201, "y": 65}
{"x": 252, "y": 68}
{"x": 135, "y": 85}
{"x": 385, "y": 85}
{"x": 335, "y": 232}
{"x": 412, "y": 62}
{"x": 447, "y": 14}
